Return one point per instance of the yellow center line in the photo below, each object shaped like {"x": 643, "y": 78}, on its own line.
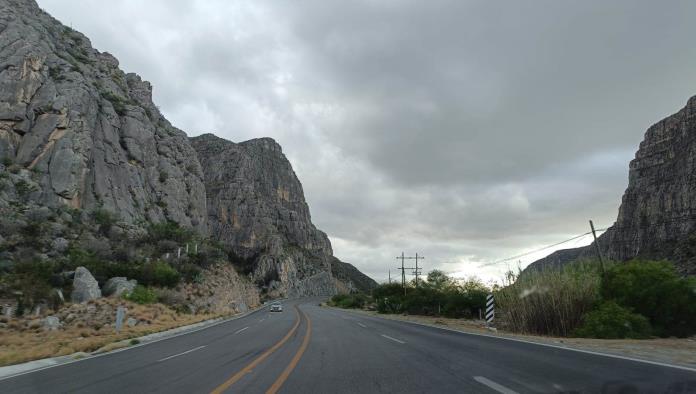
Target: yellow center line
{"x": 229, "y": 382}
{"x": 284, "y": 376}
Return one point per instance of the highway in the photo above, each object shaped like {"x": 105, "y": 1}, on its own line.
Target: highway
{"x": 312, "y": 349}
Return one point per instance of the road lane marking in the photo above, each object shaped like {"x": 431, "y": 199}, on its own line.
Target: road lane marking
{"x": 262, "y": 320}
{"x": 238, "y": 331}
{"x": 362, "y": 325}
{"x": 249, "y": 367}
{"x": 393, "y": 339}
{"x": 495, "y": 386}
{"x": 182, "y": 353}
{"x": 296, "y": 359}
{"x": 638, "y": 360}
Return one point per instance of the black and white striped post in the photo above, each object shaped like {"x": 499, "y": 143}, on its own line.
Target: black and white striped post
{"x": 490, "y": 309}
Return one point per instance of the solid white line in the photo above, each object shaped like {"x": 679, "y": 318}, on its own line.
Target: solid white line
{"x": 393, "y": 339}
{"x": 362, "y": 325}
{"x": 238, "y": 331}
{"x": 661, "y": 364}
{"x": 495, "y": 386}
{"x": 181, "y": 354}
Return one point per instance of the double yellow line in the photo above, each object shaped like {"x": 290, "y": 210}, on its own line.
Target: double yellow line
{"x": 286, "y": 372}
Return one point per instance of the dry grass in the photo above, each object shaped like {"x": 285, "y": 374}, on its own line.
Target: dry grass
{"x": 551, "y": 301}
{"x": 25, "y": 340}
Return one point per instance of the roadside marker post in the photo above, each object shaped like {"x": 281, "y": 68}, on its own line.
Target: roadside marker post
{"x": 490, "y": 310}
{"x": 120, "y": 313}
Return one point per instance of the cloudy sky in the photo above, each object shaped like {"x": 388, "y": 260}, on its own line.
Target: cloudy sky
{"x": 466, "y": 131}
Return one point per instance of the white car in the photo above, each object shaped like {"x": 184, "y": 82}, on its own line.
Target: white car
{"x": 276, "y": 307}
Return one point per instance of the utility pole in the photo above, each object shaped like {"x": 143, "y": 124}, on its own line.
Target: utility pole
{"x": 599, "y": 253}
{"x": 417, "y": 271}
{"x": 403, "y": 269}
{"x": 390, "y": 276}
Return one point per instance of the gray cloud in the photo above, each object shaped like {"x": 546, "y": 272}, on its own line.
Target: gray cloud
{"x": 467, "y": 131}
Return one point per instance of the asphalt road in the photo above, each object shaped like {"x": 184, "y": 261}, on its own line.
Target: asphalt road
{"x": 310, "y": 349}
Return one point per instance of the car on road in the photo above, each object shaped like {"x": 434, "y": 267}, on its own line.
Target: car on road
{"x": 276, "y": 307}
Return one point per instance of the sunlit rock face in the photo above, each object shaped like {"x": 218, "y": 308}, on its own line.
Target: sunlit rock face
{"x": 657, "y": 216}
{"x": 89, "y": 133}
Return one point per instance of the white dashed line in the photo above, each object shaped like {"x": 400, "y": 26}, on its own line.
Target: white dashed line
{"x": 238, "y": 331}
{"x": 180, "y": 354}
{"x": 362, "y": 325}
{"x": 495, "y": 386}
{"x": 262, "y": 320}
{"x": 393, "y": 339}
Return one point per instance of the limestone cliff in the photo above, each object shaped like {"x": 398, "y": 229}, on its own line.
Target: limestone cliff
{"x": 256, "y": 206}
{"x": 88, "y": 164}
{"x": 657, "y": 217}
{"x": 89, "y": 132}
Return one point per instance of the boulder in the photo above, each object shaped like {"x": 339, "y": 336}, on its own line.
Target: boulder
{"x": 115, "y": 287}
{"x": 60, "y": 244}
{"x": 131, "y": 322}
{"x": 85, "y": 287}
{"x": 51, "y": 323}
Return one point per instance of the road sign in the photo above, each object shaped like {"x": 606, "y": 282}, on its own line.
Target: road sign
{"x": 490, "y": 309}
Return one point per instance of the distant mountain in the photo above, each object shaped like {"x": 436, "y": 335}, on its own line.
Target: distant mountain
{"x": 657, "y": 217}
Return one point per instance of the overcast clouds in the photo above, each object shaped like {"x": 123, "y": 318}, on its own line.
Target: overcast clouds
{"x": 465, "y": 131}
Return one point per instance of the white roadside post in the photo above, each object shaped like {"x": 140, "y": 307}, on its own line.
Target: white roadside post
{"x": 490, "y": 310}
{"x": 120, "y": 313}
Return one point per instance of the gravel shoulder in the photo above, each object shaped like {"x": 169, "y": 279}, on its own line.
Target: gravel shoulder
{"x": 677, "y": 351}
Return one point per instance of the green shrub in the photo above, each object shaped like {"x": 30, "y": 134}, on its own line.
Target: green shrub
{"x": 169, "y": 230}
{"x": 159, "y": 273}
{"x": 348, "y": 301}
{"x": 141, "y": 295}
{"x": 654, "y": 290}
{"x": 611, "y": 321}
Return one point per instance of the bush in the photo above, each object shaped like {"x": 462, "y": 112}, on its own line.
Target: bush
{"x": 105, "y": 219}
{"x": 654, "y": 290}
{"x": 611, "y": 321}
{"x": 169, "y": 231}
{"x": 141, "y": 295}
{"x": 159, "y": 273}
{"x": 347, "y": 301}
{"x": 551, "y": 301}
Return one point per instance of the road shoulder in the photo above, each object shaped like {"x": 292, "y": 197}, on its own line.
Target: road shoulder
{"x": 679, "y": 352}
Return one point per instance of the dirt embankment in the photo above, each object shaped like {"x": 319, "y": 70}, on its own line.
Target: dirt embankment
{"x": 85, "y": 328}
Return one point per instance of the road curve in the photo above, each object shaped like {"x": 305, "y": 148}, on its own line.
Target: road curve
{"x": 311, "y": 349}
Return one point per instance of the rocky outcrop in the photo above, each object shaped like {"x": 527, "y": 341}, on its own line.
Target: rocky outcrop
{"x": 256, "y": 206}
{"x": 88, "y": 132}
{"x": 220, "y": 289}
{"x": 657, "y": 217}
{"x": 88, "y": 163}
{"x": 118, "y": 286}
{"x": 85, "y": 287}
{"x": 351, "y": 277}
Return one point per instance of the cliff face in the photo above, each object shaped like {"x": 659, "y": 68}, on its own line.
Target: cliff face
{"x": 657, "y": 216}
{"x": 80, "y": 141}
{"x": 256, "y": 206}
{"x": 88, "y": 132}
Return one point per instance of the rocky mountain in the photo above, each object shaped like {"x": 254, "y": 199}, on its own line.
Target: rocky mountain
{"x": 88, "y": 165}
{"x": 657, "y": 217}
{"x": 256, "y": 206}
{"x": 88, "y": 132}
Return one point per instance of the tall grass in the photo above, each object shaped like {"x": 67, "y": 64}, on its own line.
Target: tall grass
{"x": 550, "y": 301}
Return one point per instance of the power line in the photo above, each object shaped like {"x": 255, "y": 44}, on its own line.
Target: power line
{"x": 539, "y": 250}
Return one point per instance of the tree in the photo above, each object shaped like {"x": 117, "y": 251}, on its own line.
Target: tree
{"x": 440, "y": 281}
